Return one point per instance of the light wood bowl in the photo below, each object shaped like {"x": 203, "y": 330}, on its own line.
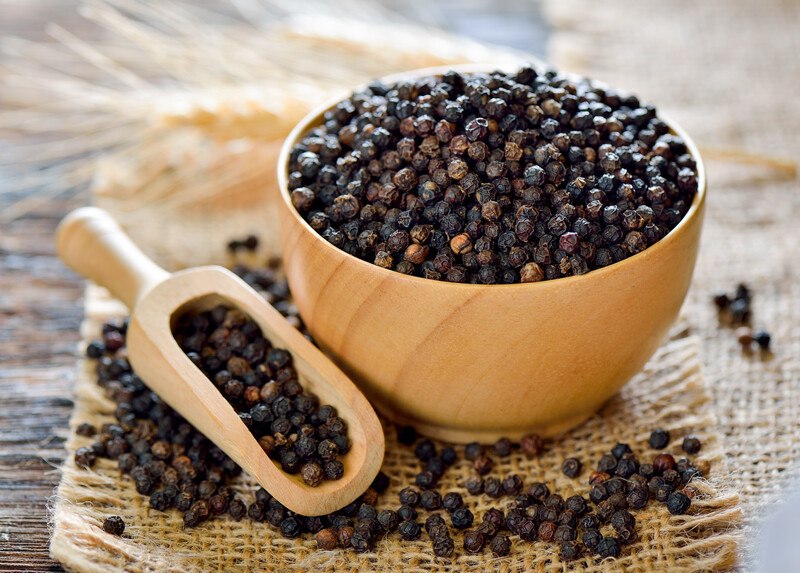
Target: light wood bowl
{"x": 465, "y": 362}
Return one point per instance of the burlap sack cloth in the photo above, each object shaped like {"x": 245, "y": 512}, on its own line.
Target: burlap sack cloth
{"x": 731, "y": 86}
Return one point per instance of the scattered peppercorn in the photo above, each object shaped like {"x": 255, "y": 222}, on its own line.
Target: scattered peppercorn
{"x": 249, "y": 243}
{"x": 431, "y": 500}
{"x": 678, "y": 502}
{"x": 443, "y": 546}
{"x": 659, "y": 439}
{"x": 608, "y": 547}
{"x": 114, "y": 525}
{"x": 571, "y": 467}
{"x": 406, "y": 435}
{"x": 461, "y": 518}
{"x": 763, "y": 339}
{"x": 474, "y": 541}
{"x": 744, "y": 336}
{"x": 492, "y": 178}
{"x": 483, "y": 464}
{"x": 95, "y": 349}
{"x": 409, "y": 530}
{"x": 388, "y": 519}
{"x": 502, "y": 447}
{"x": 501, "y": 545}
{"x": 532, "y": 446}
{"x": 736, "y": 311}
{"x": 473, "y": 450}
{"x": 85, "y": 457}
{"x": 452, "y": 501}
{"x": 663, "y": 462}
{"x": 570, "y": 550}
{"x": 691, "y": 445}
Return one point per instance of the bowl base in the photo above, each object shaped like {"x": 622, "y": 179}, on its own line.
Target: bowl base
{"x": 483, "y": 436}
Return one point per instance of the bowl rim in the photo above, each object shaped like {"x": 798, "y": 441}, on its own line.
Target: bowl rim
{"x": 312, "y": 119}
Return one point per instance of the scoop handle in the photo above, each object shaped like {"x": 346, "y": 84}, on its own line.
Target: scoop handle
{"x": 90, "y": 242}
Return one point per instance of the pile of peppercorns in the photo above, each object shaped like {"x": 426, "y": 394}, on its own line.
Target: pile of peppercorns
{"x": 492, "y": 178}
{"x": 262, "y": 385}
{"x": 736, "y": 311}
{"x": 249, "y": 243}
{"x": 621, "y": 483}
{"x": 178, "y": 468}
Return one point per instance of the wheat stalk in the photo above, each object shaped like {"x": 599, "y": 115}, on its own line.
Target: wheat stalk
{"x": 169, "y": 72}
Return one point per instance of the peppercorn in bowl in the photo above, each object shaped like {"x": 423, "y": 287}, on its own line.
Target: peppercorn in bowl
{"x": 489, "y": 253}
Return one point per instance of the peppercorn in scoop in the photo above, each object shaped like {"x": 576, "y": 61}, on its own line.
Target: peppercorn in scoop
{"x": 492, "y": 178}
{"x": 262, "y": 385}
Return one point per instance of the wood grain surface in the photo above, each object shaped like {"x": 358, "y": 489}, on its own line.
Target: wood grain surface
{"x": 40, "y": 299}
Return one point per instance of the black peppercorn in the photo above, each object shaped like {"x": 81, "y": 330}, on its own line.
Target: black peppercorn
{"x": 452, "y": 501}
{"x": 409, "y": 496}
{"x": 448, "y": 455}
{"x": 461, "y": 518}
{"x": 591, "y": 538}
{"x": 539, "y": 491}
{"x": 512, "y": 484}
{"x": 495, "y": 516}
{"x": 678, "y": 503}
{"x": 114, "y": 525}
{"x": 85, "y": 457}
{"x": 502, "y": 447}
{"x": 473, "y": 450}
{"x": 474, "y": 485}
{"x": 501, "y": 545}
{"x": 571, "y": 467}
{"x": 443, "y": 546}
{"x": 425, "y": 479}
{"x": 576, "y": 504}
{"x": 608, "y": 547}
{"x": 95, "y": 349}
{"x": 431, "y": 500}
{"x": 388, "y": 519}
{"x": 407, "y": 513}
{"x": 547, "y": 530}
{"x": 406, "y": 435}
{"x": 532, "y": 445}
{"x": 237, "y": 509}
{"x": 493, "y": 487}
{"x": 659, "y": 439}
{"x": 607, "y": 464}
{"x": 570, "y": 551}
{"x": 483, "y": 464}
{"x": 86, "y": 430}
{"x": 691, "y": 445}
{"x": 409, "y": 530}
{"x": 620, "y": 450}
{"x": 763, "y": 339}
{"x": 626, "y": 467}
{"x": 474, "y": 541}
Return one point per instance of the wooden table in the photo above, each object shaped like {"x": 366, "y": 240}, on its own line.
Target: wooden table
{"x": 40, "y": 300}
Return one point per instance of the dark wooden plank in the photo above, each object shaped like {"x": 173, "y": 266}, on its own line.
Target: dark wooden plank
{"x": 40, "y": 312}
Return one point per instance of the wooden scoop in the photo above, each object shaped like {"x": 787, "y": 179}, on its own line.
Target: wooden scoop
{"x": 91, "y": 242}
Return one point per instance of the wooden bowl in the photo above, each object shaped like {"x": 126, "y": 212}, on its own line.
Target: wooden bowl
{"x": 465, "y": 362}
